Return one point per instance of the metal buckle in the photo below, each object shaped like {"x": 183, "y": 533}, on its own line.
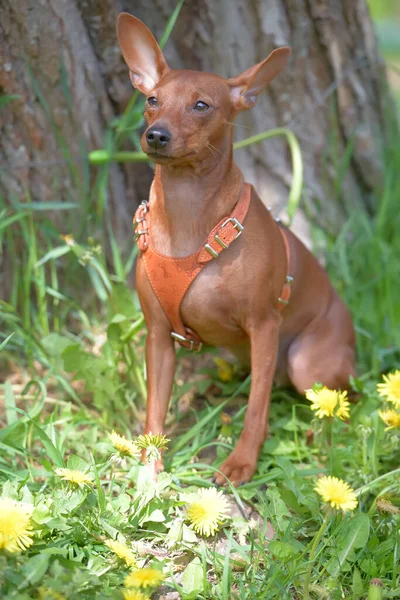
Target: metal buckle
{"x": 139, "y": 233}
{"x": 220, "y": 242}
{"x": 139, "y": 220}
{"x": 181, "y": 338}
{"x": 236, "y": 225}
{"x": 211, "y": 250}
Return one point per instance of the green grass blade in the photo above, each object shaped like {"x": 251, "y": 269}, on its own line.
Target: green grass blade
{"x": 297, "y": 163}
{"x": 5, "y": 342}
{"x": 171, "y": 24}
{"x": 53, "y": 254}
{"x": 11, "y": 413}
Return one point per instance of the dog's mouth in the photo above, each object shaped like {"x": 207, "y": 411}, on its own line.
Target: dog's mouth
{"x": 166, "y": 158}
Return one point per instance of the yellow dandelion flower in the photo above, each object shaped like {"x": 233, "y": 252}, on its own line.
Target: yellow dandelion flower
{"x": 124, "y": 446}
{"x": 226, "y": 371}
{"x": 329, "y": 403}
{"x": 74, "y": 476}
{"x": 391, "y": 418}
{"x": 144, "y": 578}
{"x": 134, "y": 595}
{"x": 337, "y": 493}
{"x": 207, "y": 511}
{"x": 390, "y": 389}
{"x": 15, "y": 525}
{"x": 122, "y": 551}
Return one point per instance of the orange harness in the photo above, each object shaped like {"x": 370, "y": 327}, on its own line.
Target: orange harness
{"x": 171, "y": 277}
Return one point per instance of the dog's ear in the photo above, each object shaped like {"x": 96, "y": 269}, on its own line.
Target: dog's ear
{"x": 141, "y": 52}
{"x": 245, "y": 87}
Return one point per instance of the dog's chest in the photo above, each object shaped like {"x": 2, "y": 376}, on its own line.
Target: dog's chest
{"x": 214, "y": 303}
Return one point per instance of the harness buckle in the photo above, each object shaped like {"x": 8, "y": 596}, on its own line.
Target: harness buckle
{"x": 211, "y": 250}
{"x": 145, "y": 206}
{"x": 236, "y": 225}
{"x": 181, "y": 339}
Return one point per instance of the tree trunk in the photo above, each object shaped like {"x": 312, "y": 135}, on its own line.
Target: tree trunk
{"x": 62, "y": 59}
{"x": 333, "y": 96}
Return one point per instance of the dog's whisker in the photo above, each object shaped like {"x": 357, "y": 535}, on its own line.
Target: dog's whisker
{"x": 209, "y": 148}
{"x": 209, "y": 143}
{"x": 239, "y": 125}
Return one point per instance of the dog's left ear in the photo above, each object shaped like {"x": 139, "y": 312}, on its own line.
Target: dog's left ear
{"x": 141, "y": 52}
{"x": 246, "y": 86}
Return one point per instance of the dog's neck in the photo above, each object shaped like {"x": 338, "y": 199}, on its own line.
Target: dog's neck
{"x": 187, "y": 201}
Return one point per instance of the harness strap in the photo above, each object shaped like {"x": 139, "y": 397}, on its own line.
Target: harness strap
{"x": 171, "y": 277}
{"x": 287, "y": 286}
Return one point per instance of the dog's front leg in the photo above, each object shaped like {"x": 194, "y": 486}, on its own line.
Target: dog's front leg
{"x": 242, "y": 462}
{"x": 161, "y": 363}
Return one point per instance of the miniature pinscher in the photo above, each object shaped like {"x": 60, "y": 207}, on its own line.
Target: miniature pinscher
{"x": 214, "y": 266}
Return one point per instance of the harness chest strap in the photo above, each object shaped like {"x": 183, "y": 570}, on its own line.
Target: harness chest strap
{"x": 171, "y": 277}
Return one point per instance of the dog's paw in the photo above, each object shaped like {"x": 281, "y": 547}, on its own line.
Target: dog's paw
{"x": 237, "y": 469}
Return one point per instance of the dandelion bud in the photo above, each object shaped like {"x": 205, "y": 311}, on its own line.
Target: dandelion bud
{"x": 375, "y": 589}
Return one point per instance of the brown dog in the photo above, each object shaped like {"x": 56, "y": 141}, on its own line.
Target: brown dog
{"x": 217, "y": 287}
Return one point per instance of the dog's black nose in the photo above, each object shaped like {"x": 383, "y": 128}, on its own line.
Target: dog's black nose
{"x": 158, "y": 137}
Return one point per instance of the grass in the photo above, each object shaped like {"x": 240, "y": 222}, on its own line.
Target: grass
{"x": 75, "y": 372}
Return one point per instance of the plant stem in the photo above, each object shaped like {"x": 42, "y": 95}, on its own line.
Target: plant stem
{"x": 316, "y": 541}
{"x": 365, "y": 487}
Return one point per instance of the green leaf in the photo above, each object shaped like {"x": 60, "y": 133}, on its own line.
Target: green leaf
{"x": 111, "y": 531}
{"x": 67, "y": 503}
{"x": 192, "y": 580}
{"x": 74, "y": 358}
{"x": 356, "y": 537}
{"x": 53, "y": 453}
{"x": 77, "y": 463}
{"x": 156, "y": 516}
{"x": 283, "y": 550}
{"x": 357, "y": 588}
{"x": 34, "y": 569}
{"x": 277, "y": 509}
{"x": 188, "y": 535}
{"x": 55, "y": 344}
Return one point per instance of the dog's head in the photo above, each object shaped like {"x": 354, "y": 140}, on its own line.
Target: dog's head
{"x": 186, "y": 111}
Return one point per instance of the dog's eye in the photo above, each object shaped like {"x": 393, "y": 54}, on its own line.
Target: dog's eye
{"x": 201, "y": 106}
{"x": 152, "y": 101}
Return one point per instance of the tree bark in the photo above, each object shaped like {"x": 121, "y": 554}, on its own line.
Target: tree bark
{"x": 333, "y": 94}
{"x": 62, "y": 59}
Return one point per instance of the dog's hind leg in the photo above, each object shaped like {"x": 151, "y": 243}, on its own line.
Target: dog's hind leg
{"x": 324, "y": 352}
